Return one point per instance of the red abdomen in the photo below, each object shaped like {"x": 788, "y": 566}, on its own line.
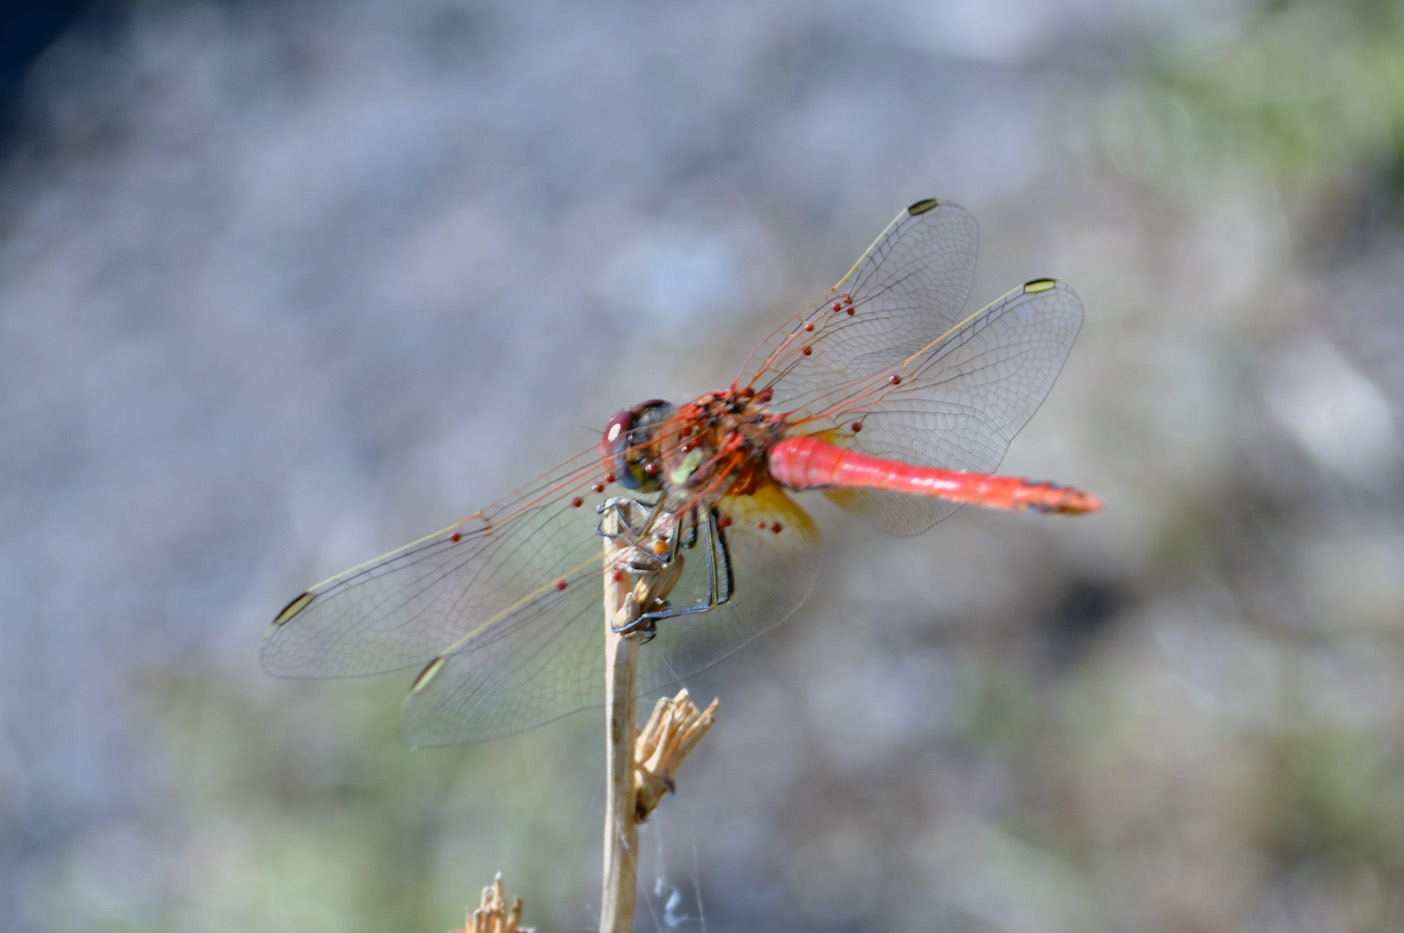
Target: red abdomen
{"x": 808, "y": 463}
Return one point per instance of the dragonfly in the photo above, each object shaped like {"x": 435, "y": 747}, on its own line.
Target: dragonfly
{"x": 885, "y": 395}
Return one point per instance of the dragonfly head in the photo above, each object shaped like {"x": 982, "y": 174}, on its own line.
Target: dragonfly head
{"x": 630, "y": 445}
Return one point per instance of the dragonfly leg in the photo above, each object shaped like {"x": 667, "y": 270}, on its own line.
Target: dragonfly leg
{"x": 631, "y": 621}
{"x": 652, "y": 583}
{"x": 721, "y": 579}
{"x": 656, "y": 562}
{"x": 622, "y": 508}
{"x": 649, "y": 551}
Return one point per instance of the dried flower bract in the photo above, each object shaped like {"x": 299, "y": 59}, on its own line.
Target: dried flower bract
{"x": 672, "y": 732}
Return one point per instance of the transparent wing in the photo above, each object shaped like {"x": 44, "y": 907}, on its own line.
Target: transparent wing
{"x": 906, "y": 290}
{"x": 545, "y": 659}
{"x": 504, "y": 611}
{"x": 535, "y": 662}
{"x": 405, "y": 608}
{"x": 504, "y": 608}
{"x": 959, "y": 401}
{"x": 963, "y": 386}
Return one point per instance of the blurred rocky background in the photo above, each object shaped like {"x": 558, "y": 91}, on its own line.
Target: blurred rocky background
{"x": 284, "y": 285}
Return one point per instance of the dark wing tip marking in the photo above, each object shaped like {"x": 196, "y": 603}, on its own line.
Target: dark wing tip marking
{"x": 292, "y": 609}
{"x": 921, "y": 207}
{"x": 426, "y": 675}
{"x": 1034, "y": 286}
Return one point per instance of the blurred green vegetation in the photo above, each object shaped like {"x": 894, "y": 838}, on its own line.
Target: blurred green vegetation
{"x": 1308, "y": 96}
{"x": 310, "y": 815}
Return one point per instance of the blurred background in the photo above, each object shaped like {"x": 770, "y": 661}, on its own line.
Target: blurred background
{"x": 283, "y": 286}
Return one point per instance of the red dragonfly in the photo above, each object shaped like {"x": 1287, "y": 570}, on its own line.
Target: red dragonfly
{"x": 884, "y": 395}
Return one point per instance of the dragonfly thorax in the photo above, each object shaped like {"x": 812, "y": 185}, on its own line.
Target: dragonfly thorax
{"x": 711, "y": 447}
{"x": 716, "y": 445}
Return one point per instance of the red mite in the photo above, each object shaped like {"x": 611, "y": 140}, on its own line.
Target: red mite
{"x": 898, "y": 409}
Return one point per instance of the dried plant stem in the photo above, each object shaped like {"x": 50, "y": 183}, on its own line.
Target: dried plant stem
{"x": 621, "y": 835}
{"x": 640, "y": 768}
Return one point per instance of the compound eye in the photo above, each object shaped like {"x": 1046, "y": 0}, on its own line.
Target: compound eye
{"x": 628, "y": 447}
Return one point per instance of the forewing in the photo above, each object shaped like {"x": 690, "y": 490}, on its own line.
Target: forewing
{"x": 907, "y": 289}
{"x": 473, "y": 578}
